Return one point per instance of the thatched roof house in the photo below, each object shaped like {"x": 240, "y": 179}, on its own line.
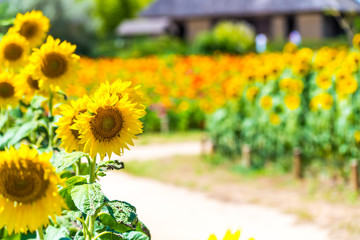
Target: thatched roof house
{"x": 276, "y": 18}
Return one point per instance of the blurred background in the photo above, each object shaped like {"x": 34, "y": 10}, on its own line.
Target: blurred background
{"x": 135, "y": 28}
{"x": 248, "y": 102}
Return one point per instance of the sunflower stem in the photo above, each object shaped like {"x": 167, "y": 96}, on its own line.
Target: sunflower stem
{"x": 50, "y": 117}
{"x": 40, "y": 233}
{"x": 92, "y": 173}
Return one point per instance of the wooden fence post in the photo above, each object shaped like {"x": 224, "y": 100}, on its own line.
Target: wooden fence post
{"x": 297, "y": 166}
{"x": 203, "y": 143}
{"x": 354, "y": 177}
{"x": 246, "y": 155}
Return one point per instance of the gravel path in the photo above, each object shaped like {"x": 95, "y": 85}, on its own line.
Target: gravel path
{"x": 174, "y": 213}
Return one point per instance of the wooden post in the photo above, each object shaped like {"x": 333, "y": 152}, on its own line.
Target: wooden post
{"x": 203, "y": 145}
{"x": 246, "y": 155}
{"x": 354, "y": 177}
{"x": 213, "y": 148}
{"x": 297, "y": 167}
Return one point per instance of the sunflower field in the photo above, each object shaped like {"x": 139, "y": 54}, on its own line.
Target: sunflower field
{"x": 65, "y": 117}
{"x": 48, "y": 164}
{"x": 274, "y": 102}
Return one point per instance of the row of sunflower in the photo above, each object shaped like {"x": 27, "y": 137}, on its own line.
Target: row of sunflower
{"x": 46, "y": 192}
{"x": 295, "y": 98}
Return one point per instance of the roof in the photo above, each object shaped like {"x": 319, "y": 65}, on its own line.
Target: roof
{"x": 199, "y": 8}
{"x": 144, "y": 26}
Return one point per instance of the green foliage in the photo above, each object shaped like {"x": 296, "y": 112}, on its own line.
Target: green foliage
{"x": 112, "y": 12}
{"x": 88, "y": 197}
{"x": 139, "y": 47}
{"x": 64, "y": 160}
{"x": 227, "y": 37}
{"x": 71, "y": 20}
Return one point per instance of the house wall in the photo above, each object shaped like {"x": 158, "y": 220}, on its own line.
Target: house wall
{"x": 310, "y": 25}
{"x": 195, "y": 26}
{"x": 278, "y": 27}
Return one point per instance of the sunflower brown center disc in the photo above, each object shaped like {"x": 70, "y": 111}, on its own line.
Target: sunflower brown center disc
{"x": 23, "y": 182}
{"x": 28, "y": 29}
{"x": 34, "y": 84}
{"x": 13, "y": 52}
{"x": 75, "y": 132}
{"x": 54, "y": 65}
{"x": 6, "y": 90}
{"x": 106, "y": 124}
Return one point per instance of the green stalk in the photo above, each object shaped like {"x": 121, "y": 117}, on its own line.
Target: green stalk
{"x": 50, "y": 117}
{"x": 40, "y": 233}
{"x": 92, "y": 172}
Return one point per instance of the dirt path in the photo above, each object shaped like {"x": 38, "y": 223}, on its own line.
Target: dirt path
{"x": 157, "y": 151}
{"x": 178, "y": 214}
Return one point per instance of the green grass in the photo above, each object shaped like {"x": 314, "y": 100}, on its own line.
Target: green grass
{"x": 172, "y": 137}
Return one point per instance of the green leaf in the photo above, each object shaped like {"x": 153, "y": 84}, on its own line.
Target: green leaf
{"x": 64, "y": 160}
{"x": 123, "y": 212}
{"x": 109, "y": 221}
{"x": 111, "y": 236}
{"x": 65, "y": 192}
{"x": 140, "y": 227}
{"x": 6, "y": 22}
{"x": 56, "y": 233}
{"x": 75, "y": 180}
{"x": 3, "y": 121}
{"x": 23, "y": 132}
{"x": 88, "y": 197}
{"x": 7, "y": 136}
{"x": 135, "y": 235}
{"x": 29, "y": 236}
{"x": 37, "y": 101}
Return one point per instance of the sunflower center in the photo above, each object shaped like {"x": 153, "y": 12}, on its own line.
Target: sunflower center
{"x": 54, "y": 65}
{"x": 28, "y": 29}
{"x": 107, "y": 123}
{"x": 22, "y": 182}
{"x": 34, "y": 84}
{"x": 75, "y": 132}
{"x": 6, "y": 90}
{"x": 13, "y": 52}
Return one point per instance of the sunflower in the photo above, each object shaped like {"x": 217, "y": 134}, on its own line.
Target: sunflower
{"x": 70, "y": 112}
{"x": 28, "y": 190}
{"x": 356, "y": 41}
{"x": 266, "y": 102}
{"x": 323, "y": 100}
{"x": 14, "y": 51}
{"x": 346, "y": 85}
{"x": 252, "y": 93}
{"x": 27, "y": 85}
{"x": 323, "y": 81}
{"x": 292, "y": 102}
{"x": 120, "y": 89}
{"x": 274, "y": 119}
{"x": 357, "y": 136}
{"x": 33, "y": 25}
{"x": 8, "y": 90}
{"x": 109, "y": 125}
{"x": 54, "y": 64}
{"x": 228, "y": 236}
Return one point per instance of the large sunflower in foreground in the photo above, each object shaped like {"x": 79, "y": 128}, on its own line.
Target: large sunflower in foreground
{"x": 8, "y": 90}
{"x": 54, "y": 64}
{"x": 109, "y": 125}
{"x": 28, "y": 190}
{"x": 14, "y": 51}
{"x": 33, "y": 25}
{"x": 70, "y": 112}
